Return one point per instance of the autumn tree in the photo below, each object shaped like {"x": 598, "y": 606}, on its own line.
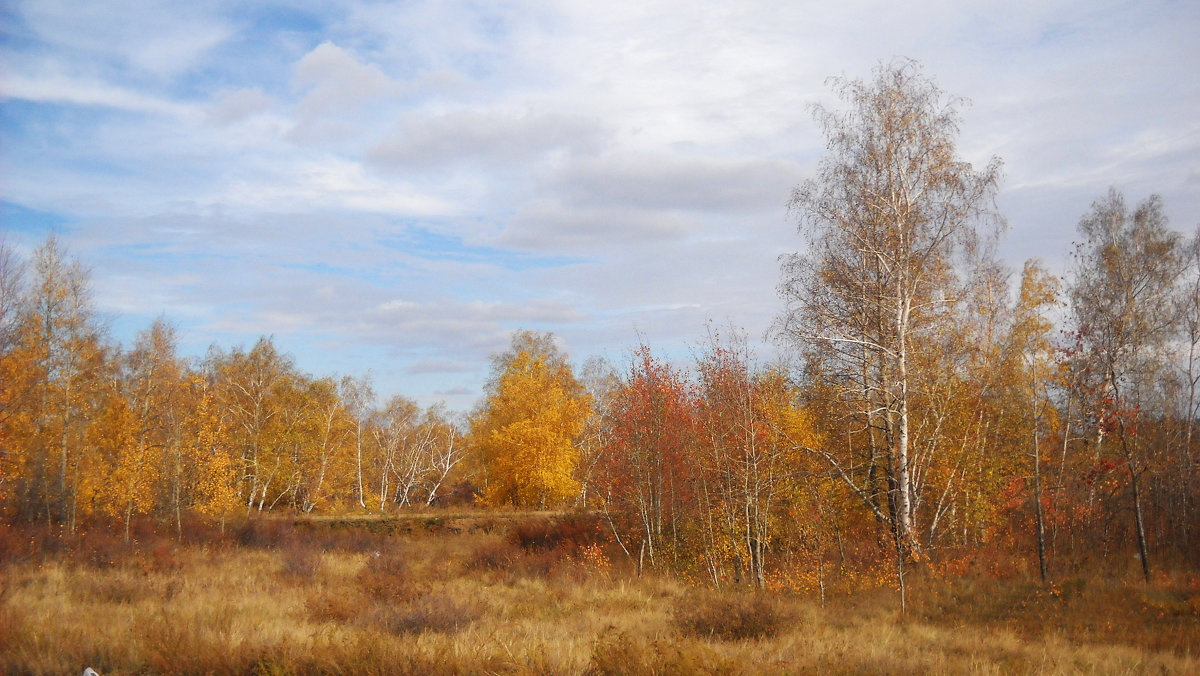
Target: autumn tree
{"x": 1189, "y": 315}
{"x": 209, "y": 462}
{"x": 601, "y": 382}
{"x": 447, "y": 449}
{"x": 1030, "y": 358}
{"x": 58, "y": 367}
{"x": 642, "y": 480}
{"x": 526, "y": 432}
{"x": 324, "y": 442}
{"x": 1123, "y": 307}
{"x": 748, "y": 425}
{"x": 249, "y": 388}
{"x": 401, "y": 450}
{"x": 12, "y": 273}
{"x": 891, "y": 217}
{"x": 153, "y": 378}
{"x": 359, "y": 399}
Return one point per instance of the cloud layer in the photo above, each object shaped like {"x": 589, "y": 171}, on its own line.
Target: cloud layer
{"x": 393, "y": 188}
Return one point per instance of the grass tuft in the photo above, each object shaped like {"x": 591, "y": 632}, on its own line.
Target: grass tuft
{"x": 492, "y": 554}
{"x": 729, "y": 617}
{"x": 430, "y": 613}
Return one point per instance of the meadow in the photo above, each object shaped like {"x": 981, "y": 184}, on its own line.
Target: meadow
{"x": 512, "y": 593}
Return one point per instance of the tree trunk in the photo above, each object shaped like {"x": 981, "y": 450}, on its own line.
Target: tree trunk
{"x": 1143, "y": 549}
{"x": 1037, "y": 498}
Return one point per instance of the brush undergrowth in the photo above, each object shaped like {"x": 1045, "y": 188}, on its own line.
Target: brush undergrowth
{"x": 545, "y": 595}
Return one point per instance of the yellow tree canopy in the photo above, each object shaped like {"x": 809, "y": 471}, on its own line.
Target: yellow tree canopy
{"x": 525, "y": 435}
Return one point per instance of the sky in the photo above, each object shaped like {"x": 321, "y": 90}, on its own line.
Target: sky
{"x": 392, "y": 188}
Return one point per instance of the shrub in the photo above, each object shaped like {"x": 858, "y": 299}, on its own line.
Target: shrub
{"x": 163, "y": 556}
{"x": 432, "y": 612}
{"x": 729, "y": 617}
{"x": 101, "y": 548}
{"x": 539, "y": 563}
{"x": 621, "y": 654}
{"x": 461, "y": 494}
{"x": 344, "y": 538}
{"x": 264, "y": 533}
{"x": 567, "y": 534}
{"x": 326, "y": 606}
{"x": 492, "y": 555}
{"x": 386, "y": 574}
{"x": 300, "y": 560}
{"x": 198, "y": 530}
{"x": 14, "y": 544}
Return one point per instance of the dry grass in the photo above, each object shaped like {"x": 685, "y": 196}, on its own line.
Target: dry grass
{"x": 445, "y": 600}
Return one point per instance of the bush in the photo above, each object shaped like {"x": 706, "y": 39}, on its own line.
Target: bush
{"x": 300, "y": 560}
{"x": 197, "y": 530}
{"x": 264, "y": 533}
{"x": 567, "y": 534}
{"x": 386, "y": 574}
{"x": 15, "y": 543}
{"x": 432, "y": 612}
{"x": 101, "y": 548}
{"x": 327, "y": 606}
{"x": 620, "y": 653}
{"x": 729, "y": 617}
{"x": 344, "y": 538}
{"x": 492, "y": 555}
{"x": 163, "y": 556}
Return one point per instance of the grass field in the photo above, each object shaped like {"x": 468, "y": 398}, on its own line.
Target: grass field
{"x": 479, "y": 593}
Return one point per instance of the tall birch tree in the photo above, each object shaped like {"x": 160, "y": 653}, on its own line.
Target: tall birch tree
{"x": 891, "y": 218}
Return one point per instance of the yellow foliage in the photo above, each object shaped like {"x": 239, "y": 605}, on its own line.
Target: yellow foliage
{"x": 214, "y": 482}
{"x": 526, "y": 434}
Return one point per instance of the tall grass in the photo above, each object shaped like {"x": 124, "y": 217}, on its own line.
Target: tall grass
{"x": 541, "y": 598}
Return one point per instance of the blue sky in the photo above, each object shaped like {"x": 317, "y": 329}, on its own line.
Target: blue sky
{"x": 394, "y": 187}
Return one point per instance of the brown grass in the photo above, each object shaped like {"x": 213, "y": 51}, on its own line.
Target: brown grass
{"x": 442, "y": 600}
{"x": 729, "y": 616}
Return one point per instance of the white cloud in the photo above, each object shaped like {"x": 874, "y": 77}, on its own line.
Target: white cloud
{"x": 331, "y": 182}
{"x": 494, "y": 136}
{"x": 237, "y": 105}
{"x": 552, "y": 225}
{"x": 335, "y": 81}
{"x": 61, "y": 89}
{"x": 441, "y": 366}
{"x": 678, "y": 182}
{"x": 159, "y": 38}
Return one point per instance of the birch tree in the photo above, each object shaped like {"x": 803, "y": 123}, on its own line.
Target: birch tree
{"x": 890, "y": 219}
{"x": 1124, "y": 310}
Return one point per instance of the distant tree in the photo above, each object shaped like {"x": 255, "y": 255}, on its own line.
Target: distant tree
{"x": 1124, "y": 308}
{"x": 526, "y": 431}
{"x": 57, "y": 372}
{"x": 359, "y": 399}
{"x": 602, "y": 382}
{"x": 153, "y": 380}
{"x": 250, "y": 388}
{"x": 748, "y": 423}
{"x": 328, "y": 433}
{"x": 209, "y": 463}
{"x": 1030, "y": 359}
{"x": 642, "y": 480}
{"x": 12, "y": 385}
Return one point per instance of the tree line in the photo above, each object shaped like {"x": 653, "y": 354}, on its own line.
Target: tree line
{"x": 89, "y": 429}
{"x": 934, "y": 403}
